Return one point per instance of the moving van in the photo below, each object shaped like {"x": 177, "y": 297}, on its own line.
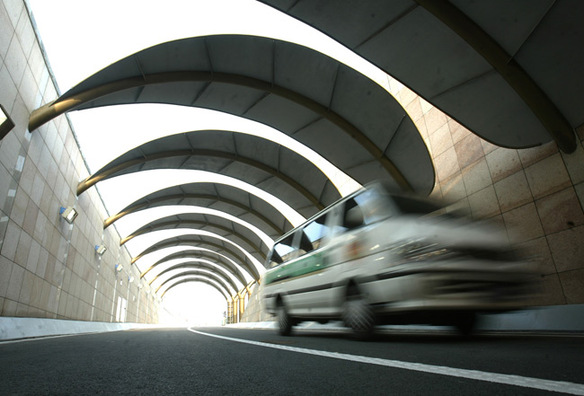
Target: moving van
{"x": 376, "y": 258}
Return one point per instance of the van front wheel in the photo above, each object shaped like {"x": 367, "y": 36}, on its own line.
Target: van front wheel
{"x": 284, "y": 320}
{"x": 358, "y": 315}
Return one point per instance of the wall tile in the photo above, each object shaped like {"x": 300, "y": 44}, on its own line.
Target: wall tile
{"x": 23, "y": 249}
{"x": 513, "y": 191}
{"x": 26, "y": 288}
{"x": 446, "y": 164}
{"x": 532, "y": 155}
{"x": 440, "y": 140}
{"x": 551, "y": 291}
{"x": 484, "y": 203}
{"x": 414, "y": 109}
{"x": 488, "y": 147}
{"x": 16, "y": 278}
{"x": 15, "y": 61}
{"x": 8, "y": 92}
{"x": 573, "y": 286}
{"x": 458, "y": 132}
{"x": 567, "y": 248}
{"x": 538, "y": 251}
{"x": 523, "y": 223}
{"x": 502, "y": 163}
{"x": 5, "y": 272}
{"x": 468, "y": 150}
{"x": 560, "y": 211}
{"x": 7, "y": 31}
{"x": 435, "y": 120}
{"x": 547, "y": 176}
{"x": 9, "y": 308}
{"x": 476, "y": 176}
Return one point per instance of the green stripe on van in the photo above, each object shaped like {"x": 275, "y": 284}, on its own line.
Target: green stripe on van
{"x": 304, "y": 265}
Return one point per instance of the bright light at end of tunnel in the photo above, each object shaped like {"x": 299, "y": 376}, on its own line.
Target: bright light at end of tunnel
{"x": 192, "y": 304}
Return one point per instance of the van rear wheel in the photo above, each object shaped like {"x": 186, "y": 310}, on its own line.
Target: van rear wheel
{"x": 358, "y": 315}
{"x": 284, "y": 320}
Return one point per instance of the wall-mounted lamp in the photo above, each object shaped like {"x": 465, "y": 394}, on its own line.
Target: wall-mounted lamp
{"x": 6, "y": 123}
{"x": 100, "y": 249}
{"x": 68, "y": 213}
{"x": 130, "y": 279}
{"x": 119, "y": 267}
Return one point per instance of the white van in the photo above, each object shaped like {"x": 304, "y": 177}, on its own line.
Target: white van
{"x": 376, "y": 258}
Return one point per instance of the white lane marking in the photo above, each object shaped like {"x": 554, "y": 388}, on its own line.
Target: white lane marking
{"x": 505, "y": 379}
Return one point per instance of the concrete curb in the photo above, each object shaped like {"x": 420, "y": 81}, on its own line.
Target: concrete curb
{"x": 19, "y": 328}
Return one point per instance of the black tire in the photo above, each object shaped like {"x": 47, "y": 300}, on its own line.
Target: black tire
{"x": 284, "y": 320}
{"x": 358, "y": 315}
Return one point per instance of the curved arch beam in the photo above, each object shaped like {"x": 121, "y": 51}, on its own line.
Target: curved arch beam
{"x": 178, "y": 241}
{"x": 120, "y": 168}
{"x": 192, "y": 224}
{"x": 198, "y": 279}
{"x": 214, "y": 256}
{"x": 508, "y": 68}
{"x": 138, "y": 205}
{"x": 199, "y": 273}
{"x": 61, "y": 106}
{"x": 194, "y": 267}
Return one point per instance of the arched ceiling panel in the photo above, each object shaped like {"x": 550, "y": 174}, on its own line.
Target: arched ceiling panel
{"x": 241, "y": 156}
{"x": 226, "y": 198}
{"x": 207, "y": 274}
{"x": 239, "y": 234}
{"x": 211, "y": 273}
{"x": 195, "y": 279}
{"x": 197, "y": 253}
{"x": 221, "y": 246}
{"x": 190, "y": 264}
{"x": 503, "y": 69}
{"x": 288, "y": 78}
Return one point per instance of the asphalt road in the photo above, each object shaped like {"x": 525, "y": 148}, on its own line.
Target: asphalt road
{"x": 260, "y": 362}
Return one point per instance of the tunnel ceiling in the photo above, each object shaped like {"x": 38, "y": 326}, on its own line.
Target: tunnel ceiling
{"x": 261, "y": 162}
{"x": 504, "y": 69}
{"x": 266, "y": 80}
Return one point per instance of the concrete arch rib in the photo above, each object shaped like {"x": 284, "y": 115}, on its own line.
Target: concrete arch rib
{"x": 264, "y": 80}
{"x": 188, "y": 254}
{"x": 486, "y": 68}
{"x": 235, "y": 234}
{"x": 223, "y": 197}
{"x": 193, "y": 279}
{"x": 219, "y": 278}
{"x": 205, "y": 240}
{"x": 223, "y": 226}
{"x": 210, "y": 275}
{"x": 196, "y": 264}
{"x": 261, "y": 162}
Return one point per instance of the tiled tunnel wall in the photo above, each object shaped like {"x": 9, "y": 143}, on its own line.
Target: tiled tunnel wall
{"x": 49, "y": 268}
{"x": 536, "y": 195}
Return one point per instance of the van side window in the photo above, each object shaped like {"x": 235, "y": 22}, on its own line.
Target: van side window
{"x": 353, "y": 215}
{"x": 282, "y": 251}
{"x": 313, "y": 234}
